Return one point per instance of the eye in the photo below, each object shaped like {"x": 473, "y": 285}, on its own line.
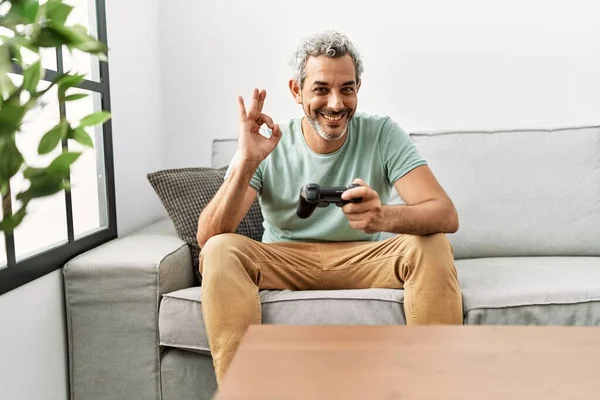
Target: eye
{"x": 320, "y": 90}
{"x": 348, "y": 89}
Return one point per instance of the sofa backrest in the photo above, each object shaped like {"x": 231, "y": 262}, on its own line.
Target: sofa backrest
{"x": 223, "y": 151}
{"x": 517, "y": 192}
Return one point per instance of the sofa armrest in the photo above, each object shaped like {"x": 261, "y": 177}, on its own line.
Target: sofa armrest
{"x": 112, "y": 296}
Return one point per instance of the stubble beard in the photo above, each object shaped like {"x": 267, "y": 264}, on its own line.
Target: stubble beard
{"x": 316, "y": 125}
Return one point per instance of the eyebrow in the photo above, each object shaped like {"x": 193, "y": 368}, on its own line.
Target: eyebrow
{"x": 321, "y": 83}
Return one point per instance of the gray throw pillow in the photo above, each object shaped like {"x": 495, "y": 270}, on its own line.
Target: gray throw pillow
{"x": 185, "y": 192}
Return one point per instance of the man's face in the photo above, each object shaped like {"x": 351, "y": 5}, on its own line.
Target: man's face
{"x": 329, "y": 96}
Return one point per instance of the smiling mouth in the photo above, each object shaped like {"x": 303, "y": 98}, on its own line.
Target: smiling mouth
{"x": 333, "y": 118}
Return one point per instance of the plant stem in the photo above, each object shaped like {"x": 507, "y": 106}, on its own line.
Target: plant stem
{"x": 7, "y": 209}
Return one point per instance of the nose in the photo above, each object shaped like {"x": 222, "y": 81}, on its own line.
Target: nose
{"x": 334, "y": 102}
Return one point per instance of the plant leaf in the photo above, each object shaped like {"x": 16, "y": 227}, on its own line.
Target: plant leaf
{"x": 83, "y": 41}
{"x": 67, "y": 81}
{"x": 10, "y": 222}
{"x": 35, "y": 96}
{"x": 5, "y": 67}
{"x": 72, "y": 37}
{"x": 95, "y": 118}
{"x": 15, "y": 53}
{"x": 25, "y": 41}
{"x": 42, "y": 185}
{"x": 61, "y": 164}
{"x": 92, "y": 46}
{"x": 11, "y": 115}
{"x": 11, "y": 20}
{"x": 31, "y": 76}
{"x": 26, "y": 9}
{"x": 31, "y": 172}
{"x": 81, "y": 29}
{"x": 10, "y": 159}
{"x": 53, "y": 137}
{"x": 57, "y": 12}
{"x": 77, "y": 96}
{"x": 49, "y": 36}
{"x": 81, "y": 136}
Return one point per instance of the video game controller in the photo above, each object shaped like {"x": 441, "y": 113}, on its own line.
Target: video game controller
{"x": 313, "y": 196}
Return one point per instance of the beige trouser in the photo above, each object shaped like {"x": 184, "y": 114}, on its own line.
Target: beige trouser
{"x": 234, "y": 268}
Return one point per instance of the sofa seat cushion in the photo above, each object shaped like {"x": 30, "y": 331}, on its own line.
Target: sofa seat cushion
{"x": 181, "y": 324}
{"x": 516, "y": 290}
{"x": 531, "y": 290}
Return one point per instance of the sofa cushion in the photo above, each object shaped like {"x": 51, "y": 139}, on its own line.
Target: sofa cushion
{"x": 531, "y": 290}
{"x": 181, "y": 324}
{"x": 522, "y": 291}
{"x": 185, "y": 192}
{"x": 520, "y": 193}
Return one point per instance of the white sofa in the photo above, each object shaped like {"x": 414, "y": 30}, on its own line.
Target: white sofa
{"x": 527, "y": 252}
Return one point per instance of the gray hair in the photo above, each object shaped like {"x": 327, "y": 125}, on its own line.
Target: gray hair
{"x": 332, "y": 44}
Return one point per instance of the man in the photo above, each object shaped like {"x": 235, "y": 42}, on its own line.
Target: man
{"x": 334, "y": 248}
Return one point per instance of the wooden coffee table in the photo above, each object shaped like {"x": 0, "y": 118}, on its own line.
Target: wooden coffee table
{"x": 277, "y": 362}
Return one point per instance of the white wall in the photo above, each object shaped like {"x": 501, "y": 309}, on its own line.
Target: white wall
{"x": 33, "y": 353}
{"x": 431, "y": 65}
{"x": 134, "y": 60}
{"x": 33, "y": 343}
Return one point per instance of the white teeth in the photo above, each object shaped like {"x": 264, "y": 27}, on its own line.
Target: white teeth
{"x": 332, "y": 118}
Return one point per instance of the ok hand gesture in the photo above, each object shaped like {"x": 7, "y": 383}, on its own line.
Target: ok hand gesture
{"x": 253, "y": 146}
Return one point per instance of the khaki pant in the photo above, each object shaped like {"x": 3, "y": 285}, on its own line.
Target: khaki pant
{"x": 234, "y": 268}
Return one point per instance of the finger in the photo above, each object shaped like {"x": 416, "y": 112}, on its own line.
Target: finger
{"x": 254, "y": 113}
{"x": 276, "y": 135}
{"x": 261, "y": 100}
{"x": 355, "y": 208}
{"x": 242, "y": 108}
{"x": 264, "y": 118}
{"x": 362, "y": 191}
{"x": 360, "y": 182}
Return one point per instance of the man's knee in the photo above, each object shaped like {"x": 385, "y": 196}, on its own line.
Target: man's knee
{"x": 430, "y": 247}
{"x": 222, "y": 242}
{"x": 221, "y": 246}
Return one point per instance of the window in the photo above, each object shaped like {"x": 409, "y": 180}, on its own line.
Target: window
{"x": 59, "y": 227}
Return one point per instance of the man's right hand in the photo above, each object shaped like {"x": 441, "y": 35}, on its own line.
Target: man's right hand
{"x": 252, "y": 146}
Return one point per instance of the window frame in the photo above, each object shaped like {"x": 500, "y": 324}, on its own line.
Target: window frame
{"x": 16, "y": 274}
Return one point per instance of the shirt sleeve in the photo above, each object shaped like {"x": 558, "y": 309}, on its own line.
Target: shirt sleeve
{"x": 398, "y": 151}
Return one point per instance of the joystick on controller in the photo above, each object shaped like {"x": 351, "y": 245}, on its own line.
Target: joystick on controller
{"x": 313, "y": 196}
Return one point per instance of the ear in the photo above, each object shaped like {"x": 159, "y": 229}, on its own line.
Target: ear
{"x": 358, "y": 86}
{"x": 295, "y": 90}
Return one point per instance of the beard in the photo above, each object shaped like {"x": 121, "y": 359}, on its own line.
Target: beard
{"x": 314, "y": 122}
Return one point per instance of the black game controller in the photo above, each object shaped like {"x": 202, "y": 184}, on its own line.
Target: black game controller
{"x": 313, "y": 196}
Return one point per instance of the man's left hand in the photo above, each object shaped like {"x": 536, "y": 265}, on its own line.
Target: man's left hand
{"x": 367, "y": 215}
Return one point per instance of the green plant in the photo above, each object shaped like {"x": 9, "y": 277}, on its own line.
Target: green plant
{"x": 27, "y": 24}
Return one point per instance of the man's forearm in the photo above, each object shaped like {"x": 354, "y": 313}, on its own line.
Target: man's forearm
{"x": 221, "y": 214}
{"x": 434, "y": 216}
